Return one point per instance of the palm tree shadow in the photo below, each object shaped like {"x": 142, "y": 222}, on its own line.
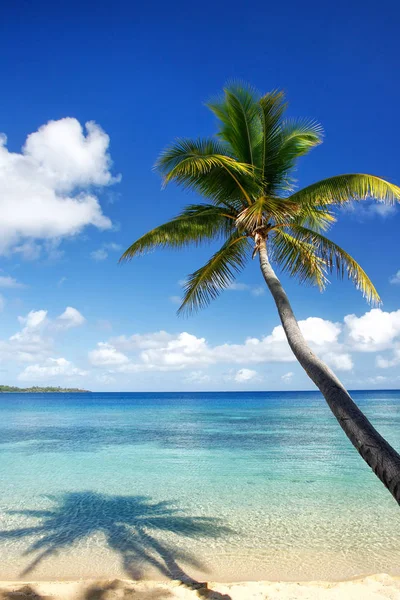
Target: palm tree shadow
{"x": 131, "y": 526}
{"x": 24, "y": 593}
{"x": 101, "y": 592}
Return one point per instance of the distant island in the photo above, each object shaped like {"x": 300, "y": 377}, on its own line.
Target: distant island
{"x": 41, "y": 390}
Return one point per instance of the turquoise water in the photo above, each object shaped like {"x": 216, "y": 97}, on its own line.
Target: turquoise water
{"x": 218, "y": 486}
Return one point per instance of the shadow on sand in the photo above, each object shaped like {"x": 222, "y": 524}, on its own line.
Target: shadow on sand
{"x": 132, "y": 527}
{"x": 24, "y": 593}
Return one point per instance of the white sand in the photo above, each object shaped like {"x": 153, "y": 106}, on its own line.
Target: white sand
{"x": 375, "y": 587}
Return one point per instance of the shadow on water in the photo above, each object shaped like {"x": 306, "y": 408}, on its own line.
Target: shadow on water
{"x": 132, "y": 527}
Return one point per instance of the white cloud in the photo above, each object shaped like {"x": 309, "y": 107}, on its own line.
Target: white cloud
{"x": 106, "y": 355}
{"x": 9, "y": 282}
{"x": 255, "y": 290}
{"x": 53, "y": 367}
{"x": 287, "y": 377}
{"x": 319, "y": 331}
{"x": 175, "y": 299}
{"x": 382, "y": 209}
{"x": 105, "y": 379}
{"x": 197, "y": 377}
{"x": 30, "y": 343}
{"x": 375, "y": 330}
{"x": 379, "y": 379}
{"x": 71, "y": 317}
{"x": 163, "y": 351}
{"x": 142, "y": 341}
{"x": 179, "y": 352}
{"x": 113, "y": 246}
{"x": 103, "y": 252}
{"x": 44, "y": 190}
{"x": 30, "y": 250}
{"x": 236, "y": 286}
{"x": 245, "y": 375}
{"x": 339, "y": 361}
{"x": 386, "y": 363}
{"x": 100, "y": 254}
{"x": 395, "y": 279}
{"x": 33, "y": 342}
{"x": 370, "y": 209}
{"x": 34, "y": 319}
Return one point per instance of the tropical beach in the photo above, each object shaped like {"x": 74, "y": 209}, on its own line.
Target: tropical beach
{"x": 167, "y": 487}
{"x": 199, "y": 302}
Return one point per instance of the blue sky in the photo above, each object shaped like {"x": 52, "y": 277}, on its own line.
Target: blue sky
{"x": 142, "y": 73}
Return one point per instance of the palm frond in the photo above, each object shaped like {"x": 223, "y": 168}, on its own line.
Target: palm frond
{"x": 313, "y": 217}
{"x": 295, "y": 138}
{"x": 217, "y": 274}
{"x": 337, "y": 260}
{"x": 265, "y": 209}
{"x": 272, "y": 107}
{"x": 204, "y": 166}
{"x": 342, "y": 189}
{"x": 299, "y": 136}
{"x": 240, "y": 127}
{"x": 298, "y": 258}
{"x": 197, "y": 223}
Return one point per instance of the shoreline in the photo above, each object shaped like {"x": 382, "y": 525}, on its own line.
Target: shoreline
{"x": 372, "y": 587}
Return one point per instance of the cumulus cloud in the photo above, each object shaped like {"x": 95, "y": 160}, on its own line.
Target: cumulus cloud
{"x": 103, "y": 252}
{"x": 339, "y": 361}
{"x": 71, "y": 317}
{"x": 287, "y": 377}
{"x": 245, "y": 375}
{"x": 140, "y": 341}
{"x": 395, "y": 279}
{"x": 370, "y": 209}
{"x": 386, "y": 363}
{"x": 44, "y": 190}
{"x": 99, "y": 255}
{"x": 106, "y": 355}
{"x": 375, "y": 330}
{"x": 34, "y": 341}
{"x": 53, "y": 367}
{"x": 163, "y": 351}
{"x": 6, "y": 281}
{"x": 34, "y": 319}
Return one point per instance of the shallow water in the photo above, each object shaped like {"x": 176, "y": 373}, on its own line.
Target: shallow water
{"x": 218, "y": 486}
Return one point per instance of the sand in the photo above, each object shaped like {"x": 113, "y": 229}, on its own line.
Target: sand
{"x": 375, "y": 587}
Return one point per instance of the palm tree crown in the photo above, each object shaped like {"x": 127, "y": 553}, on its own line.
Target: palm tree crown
{"x": 246, "y": 175}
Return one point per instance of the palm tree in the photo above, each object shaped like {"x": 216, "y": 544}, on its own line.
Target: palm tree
{"x": 245, "y": 174}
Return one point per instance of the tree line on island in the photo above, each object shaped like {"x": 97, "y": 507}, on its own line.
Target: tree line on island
{"x": 40, "y": 389}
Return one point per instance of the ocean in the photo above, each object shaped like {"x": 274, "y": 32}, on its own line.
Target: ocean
{"x": 215, "y": 486}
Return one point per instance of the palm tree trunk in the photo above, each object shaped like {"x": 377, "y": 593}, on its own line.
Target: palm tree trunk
{"x": 375, "y": 450}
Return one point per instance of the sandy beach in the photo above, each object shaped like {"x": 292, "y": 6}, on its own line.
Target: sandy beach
{"x": 369, "y": 588}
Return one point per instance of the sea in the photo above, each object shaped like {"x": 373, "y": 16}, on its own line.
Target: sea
{"x": 206, "y": 486}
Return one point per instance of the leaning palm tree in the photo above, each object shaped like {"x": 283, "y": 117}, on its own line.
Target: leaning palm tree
{"x": 245, "y": 175}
